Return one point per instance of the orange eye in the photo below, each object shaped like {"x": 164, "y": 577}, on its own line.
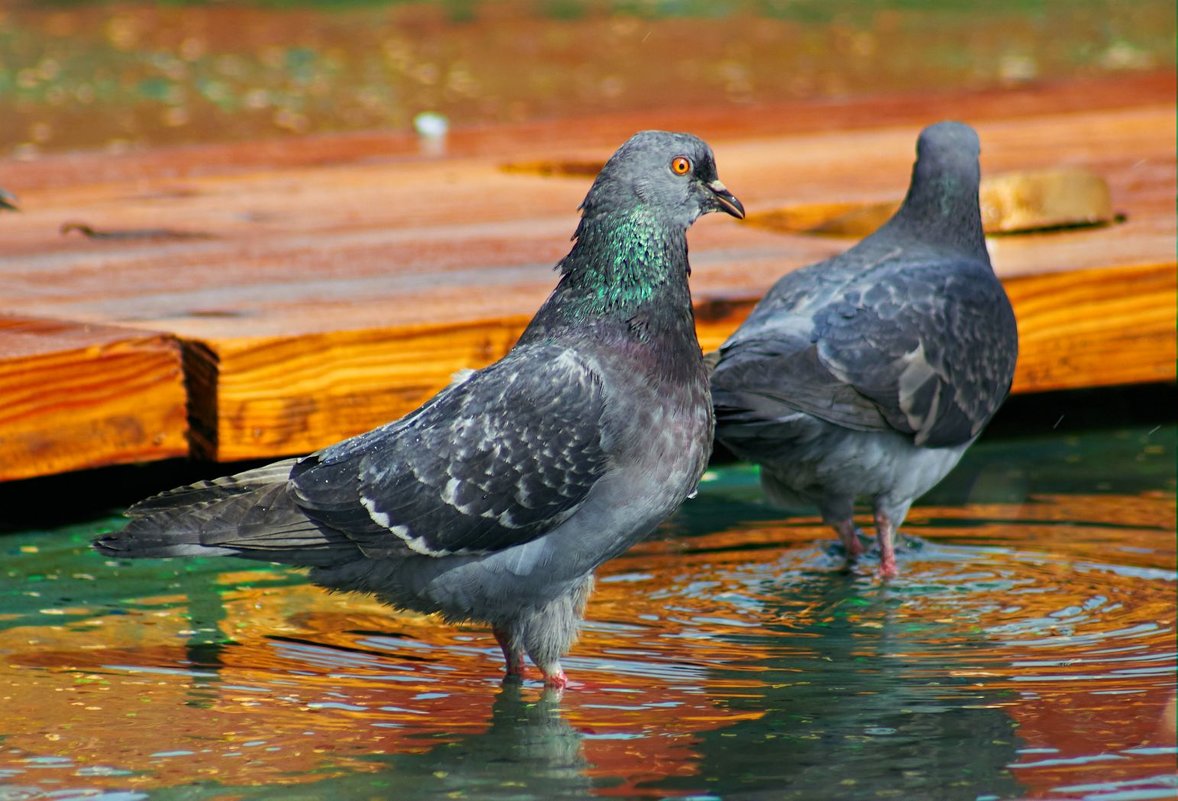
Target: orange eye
{"x": 680, "y": 165}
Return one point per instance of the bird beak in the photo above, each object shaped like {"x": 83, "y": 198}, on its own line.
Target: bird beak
{"x": 725, "y": 200}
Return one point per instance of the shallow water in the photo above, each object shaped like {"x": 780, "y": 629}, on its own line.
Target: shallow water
{"x": 1026, "y": 651}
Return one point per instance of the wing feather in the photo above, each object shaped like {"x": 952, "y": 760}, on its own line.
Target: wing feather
{"x": 926, "y": 349}
{"x": 494, "y": 461}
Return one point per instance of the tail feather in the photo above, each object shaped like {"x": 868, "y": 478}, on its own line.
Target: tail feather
{"x": 249, "y": 515}
{"x": 215, "y": 489}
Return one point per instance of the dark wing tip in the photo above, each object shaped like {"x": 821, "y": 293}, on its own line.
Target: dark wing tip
{"x": 107, "y": 545}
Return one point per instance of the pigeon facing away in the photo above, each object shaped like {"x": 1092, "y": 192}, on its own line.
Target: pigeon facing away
{"x": 497, "y": 499}
{"x": 870, "y": 373}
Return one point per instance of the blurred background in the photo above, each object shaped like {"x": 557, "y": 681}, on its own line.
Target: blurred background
{"x": 86, "y": 74}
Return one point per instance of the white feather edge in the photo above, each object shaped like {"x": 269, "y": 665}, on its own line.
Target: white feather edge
{"x": 416, "y": 544}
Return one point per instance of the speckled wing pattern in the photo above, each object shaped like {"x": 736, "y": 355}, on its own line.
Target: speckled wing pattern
{"x": 924, "y": 348}
{"x": 494, "y": 461}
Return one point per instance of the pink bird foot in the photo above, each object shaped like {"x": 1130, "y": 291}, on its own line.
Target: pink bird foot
{"x": 885, "y": 532}
{"x": 513, "y": 657}
{"x": 849, "y": 537}
{"x": 555, "y": 678}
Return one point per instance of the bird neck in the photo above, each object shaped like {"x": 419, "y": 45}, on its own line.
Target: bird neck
{"x": 627, "y": 269}
{"x": 942, "y": 206}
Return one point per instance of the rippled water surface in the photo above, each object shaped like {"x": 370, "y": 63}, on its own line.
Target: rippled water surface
{"x": 1026, "y": 651}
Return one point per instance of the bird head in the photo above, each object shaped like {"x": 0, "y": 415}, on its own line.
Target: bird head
{"x": 948, "y": 147}
{"x": 946, "y": 175}
{"x": 673, "y": 175}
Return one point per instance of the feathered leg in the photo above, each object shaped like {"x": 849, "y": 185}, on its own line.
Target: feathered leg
{"x": 547, "y": 632}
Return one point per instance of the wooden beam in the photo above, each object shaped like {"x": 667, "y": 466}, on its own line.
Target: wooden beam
{"x": 75, "y": 396}
{"x": 324, "y": 297}
{"x": 279, "y": 395}
{"x": 1091, "y": 328}
{"x": 1096, "y": 327}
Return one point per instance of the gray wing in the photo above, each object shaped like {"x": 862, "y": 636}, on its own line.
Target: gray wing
{"x": 495, "y": 461}
{"x": 927, "y": 349}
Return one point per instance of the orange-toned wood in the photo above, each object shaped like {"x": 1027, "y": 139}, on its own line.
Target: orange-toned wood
{"x": 279, "y": 395}
{"x": 74, "y": 396}
{"x": 1099, "y": 327}
{"x": 330, "y": 294}
{"x": 1095, "y": 327}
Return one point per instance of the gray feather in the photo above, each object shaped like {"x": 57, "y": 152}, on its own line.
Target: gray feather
{"x": 492, "y": 463}
{"x": 497, "y": 499}
{"x": 907, "y": 340}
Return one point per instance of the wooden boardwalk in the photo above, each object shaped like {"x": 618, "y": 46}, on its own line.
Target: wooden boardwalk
{"x": 301, "y": 291}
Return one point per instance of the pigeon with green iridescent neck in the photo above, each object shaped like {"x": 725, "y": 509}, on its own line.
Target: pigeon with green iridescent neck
{"x": 497, "y": 499}
{"x": 869, "y": 374}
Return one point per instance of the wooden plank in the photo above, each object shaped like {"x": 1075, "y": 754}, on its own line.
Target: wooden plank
{"x": 75, "y": 396}
{"x": 1091, "y": 328}
{"x": 332, "y": 296}
{"x": 279, "y": 395}
{"x": 1095, "y": 327}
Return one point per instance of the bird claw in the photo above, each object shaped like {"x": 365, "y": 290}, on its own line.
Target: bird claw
{"x": 556, "y": 680}
{"x": 855, "y": 548}
{"x": 849, "y": 538}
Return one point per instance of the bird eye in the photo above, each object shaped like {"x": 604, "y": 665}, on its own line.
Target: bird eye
{"x": 681, "y": 165}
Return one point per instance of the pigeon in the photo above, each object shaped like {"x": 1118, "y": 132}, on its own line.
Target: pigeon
{"x": 496, "y": 500}
{"x": 870, "y": 374}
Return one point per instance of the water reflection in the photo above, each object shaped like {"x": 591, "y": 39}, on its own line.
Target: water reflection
{"x": 1027, "y": 651}
{"x": 848, "y": 713}
{"x": 528, "y": 751}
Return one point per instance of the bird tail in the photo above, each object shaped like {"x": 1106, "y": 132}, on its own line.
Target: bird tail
{"x": 249, "y": 515}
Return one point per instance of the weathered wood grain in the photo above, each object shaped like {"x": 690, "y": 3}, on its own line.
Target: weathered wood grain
{"x": 1011, "y": 202}
{"x": 280, "y": 395}
{"x": 75, "y": 396}
{"x": 333, "y": 291}
{"x": 1096, "y": 327}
